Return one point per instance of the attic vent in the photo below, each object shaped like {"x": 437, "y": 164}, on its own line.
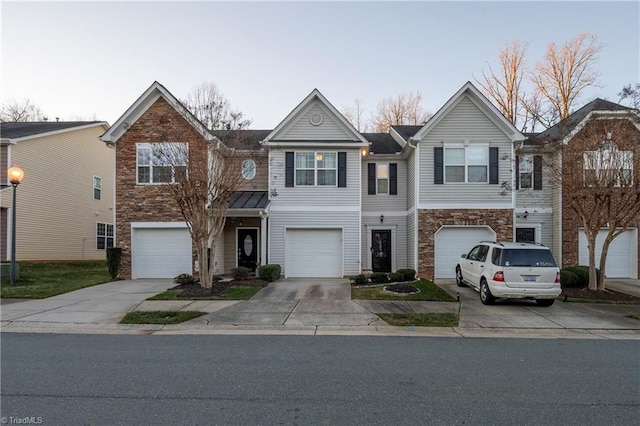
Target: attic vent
{"x": 315, "y": 119}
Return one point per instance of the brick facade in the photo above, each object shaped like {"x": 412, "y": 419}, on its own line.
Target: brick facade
{"x": 429, "y": 221}
{"x": 146, "y": 203}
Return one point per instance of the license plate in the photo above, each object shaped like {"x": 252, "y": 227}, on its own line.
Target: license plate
{"x": 529, "y": 278}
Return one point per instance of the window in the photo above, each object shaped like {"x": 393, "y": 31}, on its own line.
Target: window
{"x": 248, "y": 169}
{"x": 525, "y": 170}
{"x": 478, "y": 253}
{"x": 97, "y": 187}
{"x": 608, "y": 166}
{"x": 161, "y": 162}
{"x": 382, "y": 178}
{"x": 316, "y": 168}
{"x": 466, "y": 165}
{"x": 104, "y": 234}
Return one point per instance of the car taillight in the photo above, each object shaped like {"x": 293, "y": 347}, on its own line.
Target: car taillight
{"x": 557, "y": 277}
{"x": 499, "y": 276}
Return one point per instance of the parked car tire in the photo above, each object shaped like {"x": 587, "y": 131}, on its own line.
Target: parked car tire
{"x": 485, "y": 294}
{"x": 545, "y": 302}
{"x": 459, "y": 281}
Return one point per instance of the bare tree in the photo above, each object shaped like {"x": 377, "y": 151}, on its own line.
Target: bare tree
{"x": 632, "y": 93}
{"x": 600, "y": 181}
{"x": 203, "y": 175}
{"x": 25, "y": 110}
{"x": 208, "y": 104}
{"x": 504, "y": 86}
{"x": 353, "y": 114}
{"x": 405, "y": 108}
{"x": 566, "y": 71}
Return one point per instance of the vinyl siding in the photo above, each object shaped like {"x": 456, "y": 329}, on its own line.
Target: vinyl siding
{"x": 411, "y": 184}
{"x": 530, "y": 198}
{"x": 320, "y": 196}
{"x": 348, "y": 221}
{"x": 411, "y": 239}
{"x": 4, "y": 163}
{"x": 398, "y": 226}
{"x": 545, "y": 220}
{"x": 57, "y": 214}
{"x": 4, "y": 234}
{"x": 385, "y": 202}
{"x": 464, "y": 122}
{"x": 302, "y": 129}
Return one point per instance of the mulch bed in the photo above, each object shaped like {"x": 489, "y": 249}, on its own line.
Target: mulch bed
{"x": 402, "y": 289}
{"x": 195, "y": 290}
{"x": 603, "y": 295}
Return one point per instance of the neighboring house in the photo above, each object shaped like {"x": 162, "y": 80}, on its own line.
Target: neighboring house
{"x": 65, "y": 204}
{"x": 323, "y": 200}
{"x": 544, "y": 206}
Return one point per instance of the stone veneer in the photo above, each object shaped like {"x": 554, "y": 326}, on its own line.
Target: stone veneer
{"x": 429, "y": 221}
{"x": 146, "y": 203}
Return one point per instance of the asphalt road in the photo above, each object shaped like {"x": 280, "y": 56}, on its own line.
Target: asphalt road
{"x": 63, "y": 379}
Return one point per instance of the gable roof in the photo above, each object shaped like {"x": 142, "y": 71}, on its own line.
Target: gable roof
{"x": 481, "y": 102}
{"x": 407, "y": 131}
{"x": 142, "y": 104}
{"x": 306, "y": 102}
{"x": 19, "y": 131}
{"x": 565, "y": 127}
{"x": 245, "y": 138}
{"x": 382, "y": 143}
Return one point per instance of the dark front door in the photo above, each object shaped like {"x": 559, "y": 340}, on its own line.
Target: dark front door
{"x": 381, "y": 251}
{"x": 525, "y": 235}
{"x": 248, "y": 248}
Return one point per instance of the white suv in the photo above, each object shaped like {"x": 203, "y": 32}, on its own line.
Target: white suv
{"x": 510, "y": 270}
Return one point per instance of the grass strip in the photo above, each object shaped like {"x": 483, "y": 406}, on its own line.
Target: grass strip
{"x": 160, "y": 317}
{"x": 428, "y": 292}
{"x": 232, "y": 293}
{"x": 421, "y": 319}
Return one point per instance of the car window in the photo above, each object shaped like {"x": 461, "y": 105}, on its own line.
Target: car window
{"x": 495, "y": 256}
{"x": 527, "y": 257}
{"x": 482, "y": 253}
{"x": 473, "y": 254}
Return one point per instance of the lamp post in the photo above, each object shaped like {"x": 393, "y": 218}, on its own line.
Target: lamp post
{"x": 15, "y": 175}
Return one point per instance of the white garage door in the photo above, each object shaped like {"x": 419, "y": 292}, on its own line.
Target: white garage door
{"x": 313, "y": 253}
{"x": 451, "y": 242}
{"x": 621, "y": 257}
{"x": 160, "y": 252}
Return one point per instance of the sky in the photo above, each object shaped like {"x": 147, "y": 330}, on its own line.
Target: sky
{"x": 92, "y": 60}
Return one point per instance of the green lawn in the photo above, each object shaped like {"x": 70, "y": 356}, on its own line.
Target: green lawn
{"x": 39, "y": 280}
{"x": 232, "y": 293}
{"x": 421, "y": 320}
{"x": 428, "y": 292}
{"x": 160, "y": 317}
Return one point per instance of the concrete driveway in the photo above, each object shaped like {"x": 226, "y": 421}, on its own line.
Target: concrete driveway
{"x": 296, "y": 302}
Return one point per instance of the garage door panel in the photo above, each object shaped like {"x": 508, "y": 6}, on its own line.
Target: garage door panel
{"x": 313, "y": 253}
{"x": 160, "y": 252}
{"x": 620, "y": 257}
{"x": 451, "y": 242}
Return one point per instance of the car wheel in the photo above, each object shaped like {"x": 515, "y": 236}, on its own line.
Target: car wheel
{"x": 545, "y": 302}
{"x": 485, "y": 294}
{"x": 459, "y": 281}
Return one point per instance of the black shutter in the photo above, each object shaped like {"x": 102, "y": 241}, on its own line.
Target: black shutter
{"x": 372, "y": 178}
{"x": 288, "y": 169}
{"x": 537, "y": 172}
{"x": 493, "y": 165}
{"x": 342, "y": 170}
{"x": 438, "y": 169}
{"x": 393, "y": 179}
{"x": 517, "y": 172}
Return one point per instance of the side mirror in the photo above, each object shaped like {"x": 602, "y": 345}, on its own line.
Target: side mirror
{"x": 464, "y": 255}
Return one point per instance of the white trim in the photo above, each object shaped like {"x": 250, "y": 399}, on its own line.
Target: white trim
{"x": 416, "y": 202}
{"x": 537, "y": 227}
{"x": 315, "y": 144}
{"x": 359, "y": 217}
{"x": 137, "y": 225}
{"x": 310, "y": 208}
{"x": 93, "y": 196}
{"x": 532, "y": 210}
{"x": 263, "y": 240}
{"x": 394, "y": 243}
{"x": 391, "y": 213}
{"x": 258, "y": 243}
{"x": 397, "y": 137}
{"x": 56, "y": 132}
{"x": 617, "y": 115}
{"x": 464, "y": 206}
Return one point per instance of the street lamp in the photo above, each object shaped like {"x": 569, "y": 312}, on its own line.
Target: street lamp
{"x": 15, "y": 175}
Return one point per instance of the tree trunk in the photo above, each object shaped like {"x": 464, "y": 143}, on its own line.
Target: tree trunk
{"x": 593, "y": 277}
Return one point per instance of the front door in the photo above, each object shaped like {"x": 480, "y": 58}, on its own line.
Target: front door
{"x": 525, "y": 235}
{"x": 248, "y": 248}
{"x": 381, "y": 251}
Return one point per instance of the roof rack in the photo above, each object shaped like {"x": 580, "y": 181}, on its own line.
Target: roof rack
{"x": 492, "y": 242}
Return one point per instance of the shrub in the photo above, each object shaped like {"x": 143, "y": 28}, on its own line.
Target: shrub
{"x": 407, "y": 274}
{"x": 240, "y": 273}
{"x": 269, "y": 272}
{"x": 184, "y": 279}
{"x": 379, "y": 278}
{"x": 568, "y": 278}
{"x": 359, "y": 279}
{"x": 581, "y": 273}
{"x": 396, "y": 277}
{"x": 113, "y": 261}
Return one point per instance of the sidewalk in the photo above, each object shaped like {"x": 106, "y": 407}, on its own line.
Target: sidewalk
{"x": 313, "y": 307}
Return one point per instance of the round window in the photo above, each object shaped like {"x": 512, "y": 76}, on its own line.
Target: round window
{"x": 248, "y": 169}
{"x": 315, "y": 119}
